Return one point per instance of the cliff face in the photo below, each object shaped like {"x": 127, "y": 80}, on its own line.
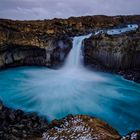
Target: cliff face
{"x": 47, "y": 42}
{"x": 27, "y": 48}
{"x": 51, "y": 53}
{"x": 114, "y": 52}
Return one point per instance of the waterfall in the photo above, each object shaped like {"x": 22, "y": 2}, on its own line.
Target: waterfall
{"x": 74, "y": 58}
{"x": 73, "y": 61}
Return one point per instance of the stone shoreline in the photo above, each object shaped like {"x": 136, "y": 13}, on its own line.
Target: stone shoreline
{"x": 18, "y": 125}
{"x": 130, "y": 74}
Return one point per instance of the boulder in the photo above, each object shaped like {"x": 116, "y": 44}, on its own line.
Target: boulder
{"x": 135, "y": 135}
{"x": 81, "y": 127}
{"x": 16, "y": 124}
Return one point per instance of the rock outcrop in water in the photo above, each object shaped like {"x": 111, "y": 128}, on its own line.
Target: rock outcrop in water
{"x": 18, "y": 125}
{"x": 135, "y": 135}
{"x": 47, "y": 42}
{"x": 81, "y": 127}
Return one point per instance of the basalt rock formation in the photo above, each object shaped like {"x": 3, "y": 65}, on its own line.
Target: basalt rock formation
{"x": 119, "y": 53}
{"x": 27, "y": 49}
{"x": 114, "y": 52}
{"x": 17, "y": 125}
{"x": 48, "y": 42}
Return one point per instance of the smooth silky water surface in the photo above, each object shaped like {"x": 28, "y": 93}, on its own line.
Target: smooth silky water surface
{"x": 73, "y": 89}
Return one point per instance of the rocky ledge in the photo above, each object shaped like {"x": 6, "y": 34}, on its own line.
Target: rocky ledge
{"x": 116, "y": 51}
{"x": 18, "y": 125}
{"x": 81, "y": 127}
{"x": 48, "y": 42}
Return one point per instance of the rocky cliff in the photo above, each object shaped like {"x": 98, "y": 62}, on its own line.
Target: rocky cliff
{"x": 118, "y": 52}
{"x": 26, "y": 48}
{"x": 48, "y": 42}
{"x": 121, "y": 51}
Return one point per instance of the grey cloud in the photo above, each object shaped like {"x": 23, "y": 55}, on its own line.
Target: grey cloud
{"x": 47, "y": 9}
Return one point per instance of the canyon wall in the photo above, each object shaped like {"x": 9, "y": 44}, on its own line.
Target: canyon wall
{"x": 47, "y": 42}
{"x": 114, "y": 52}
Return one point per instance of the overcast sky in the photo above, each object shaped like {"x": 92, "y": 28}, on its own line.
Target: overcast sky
{"x": 48, "y": 9}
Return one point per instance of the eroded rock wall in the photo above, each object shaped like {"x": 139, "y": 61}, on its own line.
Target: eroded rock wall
{"x": 47, "y": 42}
{"x": 19, "y": 49}
{"x": 115, "y": 52}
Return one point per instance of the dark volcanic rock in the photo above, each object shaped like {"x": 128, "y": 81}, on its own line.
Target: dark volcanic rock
{"x": 114, "y": 52}
{"x": 47, "y": 42}
{"x": 81, "y": 127}
{"x": 135, "y": 135}
{"x": 117, "y": 53}
{"x": 1, "y": 105}
{"x": 31, "y": 52}
{"x": 133, "y": 74}
{"x": 17, "y": 125}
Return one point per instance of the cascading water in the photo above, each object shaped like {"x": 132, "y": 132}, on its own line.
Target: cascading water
{"x": 73, "y": 90}
{"x": 74, "y": 58}
{"x": 73, "y": 67}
